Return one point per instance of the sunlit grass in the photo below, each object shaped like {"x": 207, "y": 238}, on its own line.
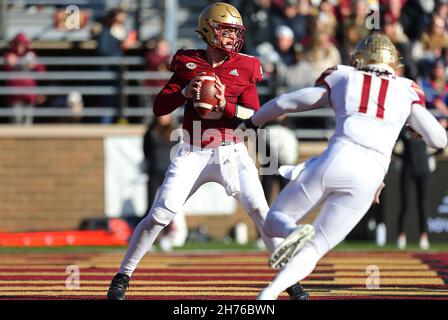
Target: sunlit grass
{"x": 223, "y": 246}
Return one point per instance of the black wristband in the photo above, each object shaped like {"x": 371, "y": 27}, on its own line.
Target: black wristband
{"x": 249, "y": 124}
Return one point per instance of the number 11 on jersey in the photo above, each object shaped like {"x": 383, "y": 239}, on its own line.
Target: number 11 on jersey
{"x": 366, "y": 85}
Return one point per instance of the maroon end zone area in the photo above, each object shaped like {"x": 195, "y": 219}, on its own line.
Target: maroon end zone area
{"x": 228, "y": 276}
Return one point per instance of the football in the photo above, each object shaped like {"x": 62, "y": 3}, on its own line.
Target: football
{"x": 205, "y": 99}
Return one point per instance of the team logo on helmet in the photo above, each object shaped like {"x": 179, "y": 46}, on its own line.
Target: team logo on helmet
{"x": 191, "y": 65}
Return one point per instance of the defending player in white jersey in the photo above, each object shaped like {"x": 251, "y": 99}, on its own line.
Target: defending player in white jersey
{"x": 372, "y": 105}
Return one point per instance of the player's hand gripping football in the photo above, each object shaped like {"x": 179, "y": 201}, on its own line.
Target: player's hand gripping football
{"x": 220, "y": 88}
{"x": 194, "y": 85}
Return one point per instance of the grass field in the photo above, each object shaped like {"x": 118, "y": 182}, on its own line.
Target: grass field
{"x": 221, "y": 271}
{"x": 224, "y": 246}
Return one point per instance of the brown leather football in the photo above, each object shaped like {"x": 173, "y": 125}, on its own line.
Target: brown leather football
{"x": 205, "y": 99}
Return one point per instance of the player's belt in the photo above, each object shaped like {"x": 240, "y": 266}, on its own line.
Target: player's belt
{"x": 190, "y": 147}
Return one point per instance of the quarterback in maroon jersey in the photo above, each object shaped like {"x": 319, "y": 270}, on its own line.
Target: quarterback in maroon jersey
{"x": 210, "y": 151}
{"x": 238, "y": 97}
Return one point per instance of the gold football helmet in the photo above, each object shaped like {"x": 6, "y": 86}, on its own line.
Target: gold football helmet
{"x": 218, "y": 17}
{"x": 376, "y": 49}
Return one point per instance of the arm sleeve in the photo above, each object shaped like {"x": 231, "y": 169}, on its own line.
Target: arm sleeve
{"x": 297, "y": 101}
{"x": 170, "y": 97}
{"x": 424, "y": 123}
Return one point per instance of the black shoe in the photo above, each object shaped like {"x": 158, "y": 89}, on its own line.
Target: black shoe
{"x": 296, "y": 292}
{"x": 118, "y": 287}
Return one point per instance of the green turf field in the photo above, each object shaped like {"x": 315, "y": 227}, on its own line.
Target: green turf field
{"x": 225, "y": 246}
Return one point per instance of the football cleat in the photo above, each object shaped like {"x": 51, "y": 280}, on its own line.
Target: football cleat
{"x": 118, "y": 287}
{"x": 296, "y": 292}
{"x": 291, "y": 245}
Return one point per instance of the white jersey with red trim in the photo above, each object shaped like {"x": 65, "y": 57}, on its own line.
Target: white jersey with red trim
{"x": 371, "y": 108}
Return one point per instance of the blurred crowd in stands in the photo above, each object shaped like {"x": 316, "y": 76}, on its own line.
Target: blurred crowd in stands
{"x": 296, "y": 40}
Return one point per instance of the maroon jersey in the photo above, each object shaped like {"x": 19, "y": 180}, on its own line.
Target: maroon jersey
{"x": 239, "y": 73}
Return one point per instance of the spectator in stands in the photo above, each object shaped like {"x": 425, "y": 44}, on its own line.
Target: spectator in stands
{"x": 257, "y": 17}
{"x": 20, "y": 58}
{"x": 435, "y": 88}
{"x": 282, "y": 148}
{"x": 294, "y": 14}
{"x": 298, "y": 75}
{"x": 157, "y": 148}
{"x": 344, "y": 9}
{"x": 76, "y": 105}
{"x": 354, "y": 28}
{"x": 414, "y": 168}
{"x": 284, "y": 41}
{"x": 431, "y": 43}
{"x": 277, "y": 58}
{"x": 393, "y": 7}
{"x": 392, "y": 27}
{"x": 113, "y": 39}
{"x": 326, "y": 19}
{"x": 415, "y": 15}
{"x": 441, "y": 10}
{"x": 323, "y": 54}
{"x": 157, "y": 58}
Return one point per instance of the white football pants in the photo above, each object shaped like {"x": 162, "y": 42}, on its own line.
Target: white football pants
{"x": 344, "y": 180}
{"x": 230, "y": 166}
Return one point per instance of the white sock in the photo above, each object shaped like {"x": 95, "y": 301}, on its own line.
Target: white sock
{"x": 279, "y": 224}
{"x": 141, "y": 241}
